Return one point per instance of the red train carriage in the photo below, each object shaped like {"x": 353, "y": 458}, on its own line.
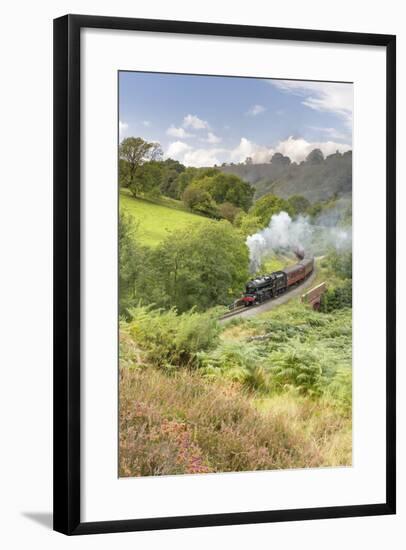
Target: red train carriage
{"x": 294, "y": 274}
{"x": 308, "y": 265}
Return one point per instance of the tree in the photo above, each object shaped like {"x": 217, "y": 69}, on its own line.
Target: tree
{"x": 135, "y": 151}
{"x": 315, "y": 209}
{"x": 224, "y": 187}
{"x": 147, "y": 179}
{"x": 184, "y": 179}
{"x": 199, "y": 200}
{"x": 171, "y": 169}
{"x": 228, "y": 211}
{"x": 299, "y": 204}
{"x": 248, "y": 224}
{"x": 200, "y": 266}
{"x": 279, "y": 159}
{"x": 130, "y": 256}
{"x": 267, "y": 206}
{"x": 315, "y": 157}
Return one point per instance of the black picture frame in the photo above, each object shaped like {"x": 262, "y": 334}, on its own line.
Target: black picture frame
{"x": 67, "y": 296}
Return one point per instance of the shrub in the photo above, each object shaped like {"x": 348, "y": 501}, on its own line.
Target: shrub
{"x": 296, "y": 369}
{"x": 238, "y": 361}
{"x": 170, "y": 340}
{"x": 228, "y": 211}
{"x": 338, "y": 297}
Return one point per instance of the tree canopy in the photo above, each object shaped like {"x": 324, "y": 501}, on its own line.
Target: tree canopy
{"x": 202, "y": 266}
{"x": 268, "y": 205}
{"x": 224, "y": 188}
{"x": 135, "y": 151}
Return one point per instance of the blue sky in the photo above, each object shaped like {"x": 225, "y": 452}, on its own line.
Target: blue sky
{"x": 206, "y": 120}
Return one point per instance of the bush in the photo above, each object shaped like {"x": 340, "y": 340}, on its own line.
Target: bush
{"x": 300, "y": 370}
{"x": 238, "y": 361}
{"x": 338, "y": 297}
{"x": 228, "y": 211}
{"x": 200, "y": 201}
{"x": 169, "y": 340}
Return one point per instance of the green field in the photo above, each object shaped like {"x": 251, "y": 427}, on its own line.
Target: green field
{"x": 158, "y": 218}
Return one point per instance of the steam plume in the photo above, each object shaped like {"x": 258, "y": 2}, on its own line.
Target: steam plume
{"x": 284, "y": 235}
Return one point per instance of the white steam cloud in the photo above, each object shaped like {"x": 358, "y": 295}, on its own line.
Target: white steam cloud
{"x": 286, "y": 235}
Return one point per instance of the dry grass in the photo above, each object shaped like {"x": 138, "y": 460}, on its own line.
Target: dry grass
{"x": 185, "y": 424}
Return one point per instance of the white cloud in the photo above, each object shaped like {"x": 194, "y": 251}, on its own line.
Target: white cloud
{"x": 330, "y": 97}
{"x": 202, "y": 157}
{"x": 212, "y": 138}
{"x": 178, "y": 132}
{"x": 193, "y": 121}
{"x": 297, "y": 149}
{"x": 256, "y": 110}
{"x": 122, "y": 127}
{"x": 146, "y": 123}
{"x": 190, "y": 156}
{"x": 247, "y": 148}
{"x": 177, "y": 149}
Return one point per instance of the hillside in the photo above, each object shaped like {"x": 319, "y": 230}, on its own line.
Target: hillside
{"x": 157, "y": 218}
{"x": 315, "y": 179}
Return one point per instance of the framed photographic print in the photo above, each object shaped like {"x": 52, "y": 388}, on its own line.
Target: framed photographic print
{"x": 224, "y": 262}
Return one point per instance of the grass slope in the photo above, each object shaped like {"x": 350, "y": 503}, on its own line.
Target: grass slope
{"x": 157, "y": 218}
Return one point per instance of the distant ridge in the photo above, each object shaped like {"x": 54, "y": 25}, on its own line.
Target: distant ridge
{"x": 317, "y": 178}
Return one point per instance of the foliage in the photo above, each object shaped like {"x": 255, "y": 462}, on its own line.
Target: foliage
{"x": 316, "y": 181}
{"x": 304, "y": 351}
{"x": 279, "y": 159}
{"x": 267, "y": 206}
{"x": 238, "y": 361}
{"x": 341, "y": 263}
{"x": 247, "y": 223}
{"x": 184, "y": 179}
{"x": 170, "y": 172}
{"x": 169, "y": 340}
{"x": 147, "y": 179}
{"x": 199, "y": 200}
{"x": 226, "y": 188}
{"x": 229, "y": 211}
{"x": 130, "y": 260}
{"x": 315, "y": 209}
{"x": 315, "y": 157}
{"x": 299, "y": 204}
{"x": 134, "y": 151}
{"x": 298, "y": 368}
{"x": 203, "y": 265}
{"x": 337, "y": 297}
{"x": 211, "y": 188}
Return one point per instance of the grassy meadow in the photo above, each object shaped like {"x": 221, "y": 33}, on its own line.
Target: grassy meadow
{"x": 158, "y": 217}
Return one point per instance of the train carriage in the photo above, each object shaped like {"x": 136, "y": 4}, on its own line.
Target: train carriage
{"x": 308, "y": 264}
{"x": 294, "y": 274}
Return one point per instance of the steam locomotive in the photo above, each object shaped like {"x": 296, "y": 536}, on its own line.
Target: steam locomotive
{"x": 269, "y": 286}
